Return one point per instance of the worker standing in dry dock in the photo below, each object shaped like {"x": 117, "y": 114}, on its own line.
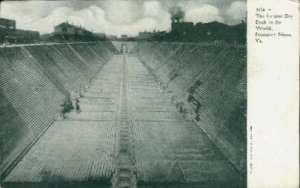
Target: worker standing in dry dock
{"x": 78, "y": 110}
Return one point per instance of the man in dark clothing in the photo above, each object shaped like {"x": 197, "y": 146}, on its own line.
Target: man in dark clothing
{"x": 77, "y": 106}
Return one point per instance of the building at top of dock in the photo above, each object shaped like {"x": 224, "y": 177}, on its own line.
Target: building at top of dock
{"x": 68, "y": 32}
{"x": 183, "y": 31}
{"x": 10, "y": 34}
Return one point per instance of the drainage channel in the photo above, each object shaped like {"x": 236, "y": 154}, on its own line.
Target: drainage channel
{"x": 124, "y": 174}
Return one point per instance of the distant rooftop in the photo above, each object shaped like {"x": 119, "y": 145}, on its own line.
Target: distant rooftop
{"x": 71, "y": 25}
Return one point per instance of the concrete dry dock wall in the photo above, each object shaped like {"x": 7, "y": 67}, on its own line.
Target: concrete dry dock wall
{"x": 34, "y": 82}
{"x": 208, "y": 82}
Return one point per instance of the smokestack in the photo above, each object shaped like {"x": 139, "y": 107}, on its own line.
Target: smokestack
{"x": 177, "y": 14}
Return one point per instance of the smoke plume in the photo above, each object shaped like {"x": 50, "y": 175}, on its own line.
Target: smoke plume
{"x": 177, "y": 14}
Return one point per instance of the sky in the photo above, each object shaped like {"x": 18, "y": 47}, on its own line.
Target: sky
{"x": 117, "y": 17}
